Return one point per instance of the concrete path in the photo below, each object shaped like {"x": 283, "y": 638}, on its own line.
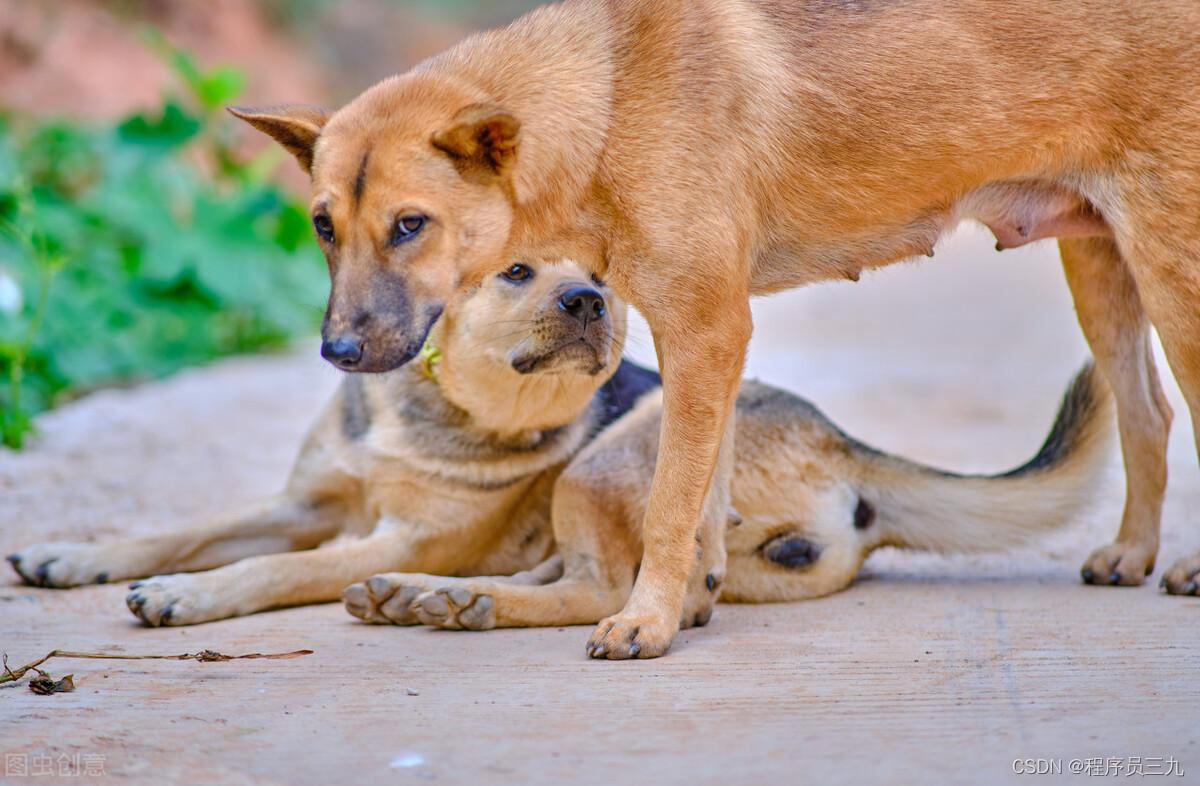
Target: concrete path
{"x": 929, "y": 670}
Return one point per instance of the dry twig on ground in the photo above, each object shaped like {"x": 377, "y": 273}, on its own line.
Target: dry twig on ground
{"x": 45, "y": 684}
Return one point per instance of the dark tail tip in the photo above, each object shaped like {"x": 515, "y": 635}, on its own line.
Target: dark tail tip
{"x": 1082, "y": 407}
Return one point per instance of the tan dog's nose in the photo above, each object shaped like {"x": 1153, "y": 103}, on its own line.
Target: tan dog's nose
{"x": 343, "y": 351}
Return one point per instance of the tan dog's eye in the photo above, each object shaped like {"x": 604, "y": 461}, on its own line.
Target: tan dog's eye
{"x": 518, "y": 273}
{"x": 324, "y": 227}
{"x": 407, "y": 227}
{"x": 596, "y": 280}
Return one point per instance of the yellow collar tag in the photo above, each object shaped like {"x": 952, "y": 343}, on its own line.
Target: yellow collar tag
{"x": 430, "y": 357}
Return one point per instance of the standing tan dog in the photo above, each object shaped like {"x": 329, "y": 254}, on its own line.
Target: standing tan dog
{"x": 516, "y": 450}
{"x": 708, "y": 150}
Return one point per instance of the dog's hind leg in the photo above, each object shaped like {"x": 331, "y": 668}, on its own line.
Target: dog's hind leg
{"x": 1163, "y": 206}
{"x": 533, "y": 598}
{"x": 488, "y": 602}
{"x": 387, "y": 598}
{"x": 281, "y": 523}
{"x": 598, "y": 541}
{"x": 597, "y": 505}
{"x": 1109, "y": 308}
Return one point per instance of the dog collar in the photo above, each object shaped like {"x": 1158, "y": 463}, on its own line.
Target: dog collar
{"x": 430, "y": 357}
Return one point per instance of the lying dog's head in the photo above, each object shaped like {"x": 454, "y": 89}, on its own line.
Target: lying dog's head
{"x": 531, "y": 345}
{"x": 411, "y": 203}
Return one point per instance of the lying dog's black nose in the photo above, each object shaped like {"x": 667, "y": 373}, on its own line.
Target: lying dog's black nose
{"x": 343, "y": 351}
{"x": 583, "y": 303}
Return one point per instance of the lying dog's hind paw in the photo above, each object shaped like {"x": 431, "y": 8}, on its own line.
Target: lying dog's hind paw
{"x": 60, "y": 565}
{"x": 456, "y": 608}
{"x": 176, "y": 599}
{"x": 385, "y": 599}
{"x": 1183, "y": 578}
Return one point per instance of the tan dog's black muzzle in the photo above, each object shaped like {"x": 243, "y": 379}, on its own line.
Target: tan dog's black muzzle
{"x": 374, "y": 323}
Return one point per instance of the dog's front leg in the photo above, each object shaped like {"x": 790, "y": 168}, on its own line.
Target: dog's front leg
{"x": 280, "y": 523}
{"x": 269, "y": 581}
{"x": 701, "y": 339}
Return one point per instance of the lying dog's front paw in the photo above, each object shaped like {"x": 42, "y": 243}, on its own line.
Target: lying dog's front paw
{"x": 1183, "y": 577}
{"x": 385, "y": 599}
{"x": 624, "y": 635}
{"x": 1118, "y": 564}
{"x": 60, "y": 565}
{"x": 456, "y": 608}
{"x": 177, "y": 599}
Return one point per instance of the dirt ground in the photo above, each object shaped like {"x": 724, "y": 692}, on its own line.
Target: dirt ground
{"x": 928, "y": 670}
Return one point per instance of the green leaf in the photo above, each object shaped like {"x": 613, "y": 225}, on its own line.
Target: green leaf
{"x": 171, "y": 129}
{"x": 219, "y": 86}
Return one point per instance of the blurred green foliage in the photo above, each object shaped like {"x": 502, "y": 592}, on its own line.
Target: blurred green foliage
{"x": 131, "y": 251}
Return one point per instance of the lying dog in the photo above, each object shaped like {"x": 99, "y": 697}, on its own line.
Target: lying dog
{"x": 455, "y": 465}
{"x": 707, "y": 150}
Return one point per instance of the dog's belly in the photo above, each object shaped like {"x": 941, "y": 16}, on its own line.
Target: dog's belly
{"x": 1015, "y": 211}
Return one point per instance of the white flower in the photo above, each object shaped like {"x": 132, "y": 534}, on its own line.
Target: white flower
{"x": 10, "y": 293}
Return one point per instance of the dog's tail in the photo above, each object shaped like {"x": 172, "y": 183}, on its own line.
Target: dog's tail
{"x": 919, "y": 507}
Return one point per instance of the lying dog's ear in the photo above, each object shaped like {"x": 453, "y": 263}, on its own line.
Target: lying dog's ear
{"x": 295, "y": 126}
{"x": 482, "y": 142}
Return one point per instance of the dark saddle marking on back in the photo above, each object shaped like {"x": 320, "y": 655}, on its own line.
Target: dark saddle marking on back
{"x": 623, "y": 390}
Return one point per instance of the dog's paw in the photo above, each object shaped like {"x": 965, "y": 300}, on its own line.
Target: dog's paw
{"x": 627, "y": 635}
{"x": 61, "y": 565}
{"x": 456, "y": 608}
{"x": 176, "y": 599}
{"x": 1183, "y": 577}
{"x": 385, "y": 599}
{"x": 1118, "y": 564}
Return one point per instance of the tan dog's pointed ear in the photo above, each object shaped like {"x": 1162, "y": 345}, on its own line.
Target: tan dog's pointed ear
{"x": 294, "y": 126}
{"x": 482, "y": 142}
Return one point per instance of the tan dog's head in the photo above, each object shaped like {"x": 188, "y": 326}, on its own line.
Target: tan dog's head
{"x": 411, "y": 203}
{"x": 531, "y": 345}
